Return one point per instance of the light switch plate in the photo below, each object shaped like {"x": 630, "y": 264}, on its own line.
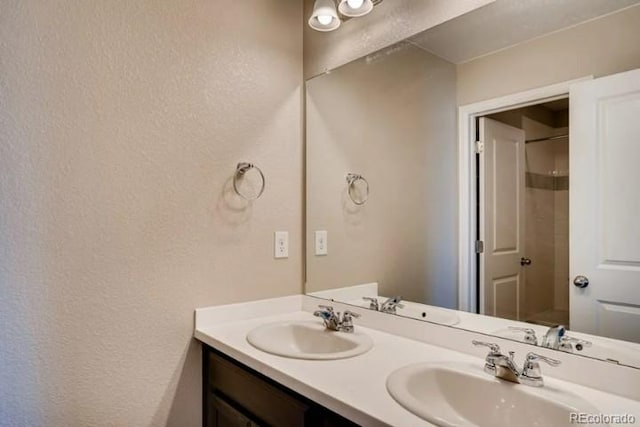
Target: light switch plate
{"x": 281, "y": 244}
{"x": 321, "y": 242}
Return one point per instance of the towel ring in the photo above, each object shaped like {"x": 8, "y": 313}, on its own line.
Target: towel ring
{"x": 352, "y": 178}
{"x": 241, "y": 169}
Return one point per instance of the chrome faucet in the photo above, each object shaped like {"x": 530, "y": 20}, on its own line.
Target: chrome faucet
{"x": 553, "y": 337}
{"x": 390, "y": 305}
{"x": 373, "y": 303}
{"x": 333, "y": 321}
{"x": 504, "y": 367}
{"x": 557, "y": 339}
{"x": 531, "y": 372}
{"x": 529, "y": 334}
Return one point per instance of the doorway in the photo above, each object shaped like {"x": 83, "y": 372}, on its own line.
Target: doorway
{"x": 468, "y": 225}
{"x": 604, "y": 249}
{"x": 523, "y": 213}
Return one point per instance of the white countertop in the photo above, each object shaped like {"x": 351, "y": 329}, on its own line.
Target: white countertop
{"x": 355, "y": 387}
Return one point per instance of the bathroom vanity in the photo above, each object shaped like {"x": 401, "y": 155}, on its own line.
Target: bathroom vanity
{"x": 235, "y": 395}
{"x": 429, "y": 218}
{"x": 245, "y": 386}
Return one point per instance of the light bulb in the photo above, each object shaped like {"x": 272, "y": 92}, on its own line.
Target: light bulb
{"x": 355, "y": 8}
{"x": 324, "y": 16}
{"x": 325, "y": 19}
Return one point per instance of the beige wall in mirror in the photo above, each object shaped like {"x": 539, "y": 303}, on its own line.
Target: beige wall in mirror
{"x": 391, "y": 116}
{"x": 386, "y": 117}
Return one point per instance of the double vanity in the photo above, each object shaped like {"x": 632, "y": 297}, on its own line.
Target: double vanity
{"x": 449, "y": 168}
{"x": 299, "y": 360}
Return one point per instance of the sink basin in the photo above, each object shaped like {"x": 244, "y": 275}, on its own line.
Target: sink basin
{"x": 308, "y": 340}
{"x": 458, "y": 394}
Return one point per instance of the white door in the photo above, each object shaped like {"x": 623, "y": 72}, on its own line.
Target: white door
{"x": 502, "y": 186}
{"x": 604, "y": 196}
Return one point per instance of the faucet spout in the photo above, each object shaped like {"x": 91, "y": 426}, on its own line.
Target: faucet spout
{"x": 506, "y": 368}
{"x": 553, "y": 337}
{"x": 390, "y": 305}
{"x": 329, "y": 317}
{"x": 333, "y": 321}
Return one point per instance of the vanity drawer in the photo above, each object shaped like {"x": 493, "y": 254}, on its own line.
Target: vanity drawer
{"x": 266, "y": 402}
{"x": 222, "y": 413}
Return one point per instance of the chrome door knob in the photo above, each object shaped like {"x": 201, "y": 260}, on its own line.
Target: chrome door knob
{"x": 525, "y": 261}
{"x": 581, "y": 282}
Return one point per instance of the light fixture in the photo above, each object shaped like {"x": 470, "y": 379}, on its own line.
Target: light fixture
{"x": 355, "y": 8}
{"x": 324, "y": 16}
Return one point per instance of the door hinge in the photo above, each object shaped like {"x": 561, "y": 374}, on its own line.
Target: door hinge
{"x": 479, "y": 147}
{"x": 479, "y": 246}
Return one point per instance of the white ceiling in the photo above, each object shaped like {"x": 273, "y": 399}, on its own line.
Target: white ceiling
{"x": 506, "y": 23}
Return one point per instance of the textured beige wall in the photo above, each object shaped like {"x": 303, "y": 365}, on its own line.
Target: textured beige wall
{"x": 604, "y": 46}
{"x": 120, "y": 126}
{"x": 387, "y": 117}
{"x": 389, "y": 23}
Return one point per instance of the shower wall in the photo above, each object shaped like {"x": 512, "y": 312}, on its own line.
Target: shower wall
{"x": 561, "y": 227}
{"x": 539, "y": 219}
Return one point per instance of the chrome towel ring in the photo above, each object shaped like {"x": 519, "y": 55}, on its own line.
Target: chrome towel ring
{"x": 358, "y": 199}
{"x": 241, "y": 170}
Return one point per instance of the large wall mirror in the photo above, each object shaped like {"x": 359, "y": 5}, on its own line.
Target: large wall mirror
{"x": 531, "y": 233}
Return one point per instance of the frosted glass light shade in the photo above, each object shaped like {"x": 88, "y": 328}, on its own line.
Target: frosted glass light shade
{"x": 324, "y": 16}
{"x": 355, "y": 8}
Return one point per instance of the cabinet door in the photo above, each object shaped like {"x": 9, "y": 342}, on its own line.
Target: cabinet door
{"x": 222, "y": 414}
{"x": 271, "y": 404}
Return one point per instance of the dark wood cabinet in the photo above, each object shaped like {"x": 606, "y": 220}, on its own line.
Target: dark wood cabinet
{"x": 223, "y": 414}
{"x": 235, "y": 395}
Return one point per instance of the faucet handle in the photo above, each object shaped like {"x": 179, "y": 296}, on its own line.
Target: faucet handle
{"x": 326, "y": 307}
{"x": 534, "y": 357}
{"x": 529, "y": 334}
{"x": 531, "y": 374}
{"x": 350, "y": 313}
{"x": 395, "y": 301}
{"x": 373, "y": 302}
{"x": 567, "y": 343}
{"x": 390, "y": 305}
{"x": 495, "y": 348}
{"x": 490, "y": 359}
{"x": 346, "y": 325}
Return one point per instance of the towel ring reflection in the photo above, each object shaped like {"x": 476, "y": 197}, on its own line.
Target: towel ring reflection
{"x": 352, "y": 178}
{"x": 241, "y": 169}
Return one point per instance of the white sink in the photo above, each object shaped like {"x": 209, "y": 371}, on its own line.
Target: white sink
{"x": 308, "y": 340}
{"x": 458, "y": 394}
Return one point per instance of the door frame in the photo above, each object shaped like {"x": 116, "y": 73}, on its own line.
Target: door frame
{"x": 468, "y": 297}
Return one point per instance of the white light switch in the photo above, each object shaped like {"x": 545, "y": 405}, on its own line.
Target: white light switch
{"x": 281, "y": 244}
{"x": 321, "y": 242}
